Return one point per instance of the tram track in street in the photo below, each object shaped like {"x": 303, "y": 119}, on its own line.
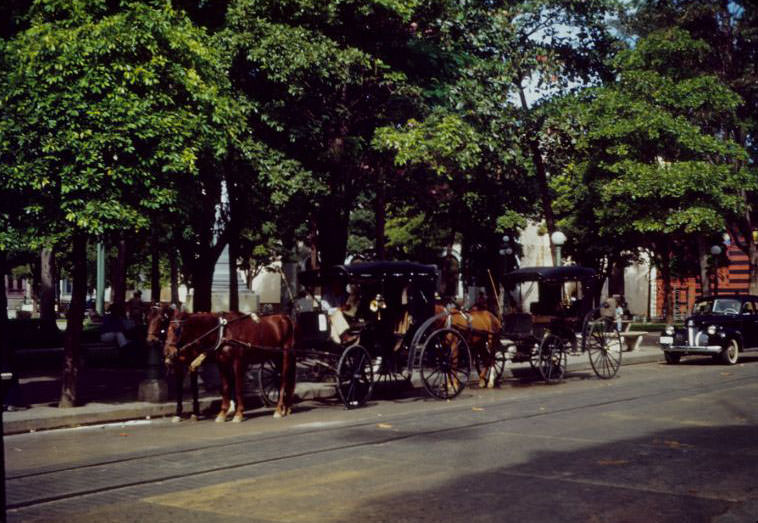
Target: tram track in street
{"x": 528, "y": 407}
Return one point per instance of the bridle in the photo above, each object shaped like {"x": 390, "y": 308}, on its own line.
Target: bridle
{"x": 160, "y": 336}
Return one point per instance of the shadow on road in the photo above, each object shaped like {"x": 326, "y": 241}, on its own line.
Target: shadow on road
{"x": 691, "y": 474}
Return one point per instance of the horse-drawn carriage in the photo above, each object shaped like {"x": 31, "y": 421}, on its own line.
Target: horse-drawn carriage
{"x": 562, "y": 321}
{"x": 370, "y": 323}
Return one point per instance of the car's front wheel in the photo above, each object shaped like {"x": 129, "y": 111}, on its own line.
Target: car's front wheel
{"x": 672, "y": 358}
{"x": 731, "y": 353}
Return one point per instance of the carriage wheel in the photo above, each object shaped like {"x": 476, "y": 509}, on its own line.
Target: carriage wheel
{"x": 269, "y": 383}
{"x": 355, "y": 377}
{"x": 603, "y": 342}
{"x": 445, "y": 364}
{"x": 552, "y": 359}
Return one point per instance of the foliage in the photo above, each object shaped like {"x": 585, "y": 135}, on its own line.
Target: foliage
{"x": 100, "y": 110}
{"x": 652, "y": 155}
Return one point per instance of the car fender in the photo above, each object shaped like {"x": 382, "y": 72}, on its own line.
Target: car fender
{"x": 732, "y": 334}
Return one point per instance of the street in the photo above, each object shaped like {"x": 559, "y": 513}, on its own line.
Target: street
{"x": 658, "y": 443}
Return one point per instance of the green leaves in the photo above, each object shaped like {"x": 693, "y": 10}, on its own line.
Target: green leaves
{"x": 102, "y": 107}
{"x": 444, "y": 142}
{"x": 655, "y": 153}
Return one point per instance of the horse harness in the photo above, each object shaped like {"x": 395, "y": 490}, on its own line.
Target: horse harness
{"x": 469, "y": 323}
{"x": 222, "y": 323}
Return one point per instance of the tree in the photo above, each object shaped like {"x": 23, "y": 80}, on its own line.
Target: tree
{"x": 103, "y": 107}
{"x": 729, "y": 29}
{"x": 322, "y": 78}
{"x": 654, "y": 166}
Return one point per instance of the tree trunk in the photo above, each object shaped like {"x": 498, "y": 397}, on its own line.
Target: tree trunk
{"x": 155, "y": 268}
{"x": 4, "y": 346}
{"x": 753, "y": 259}
{"x": 47, "y": 289}
{"x": 174, "y": 276}
{"x": 668, "y": 305}
{"x": 702, "y": 257}
{"x": 381, "y": 218}
{"x": 541, "y": 174}
{"x": 616, "y": 278}
{"x": 332, "y": 234}
{"x": 75, "y": 319}
{"x": 202, "y": 283}
{"x": 118, "y": 274}
{"x": 234, "y": 297}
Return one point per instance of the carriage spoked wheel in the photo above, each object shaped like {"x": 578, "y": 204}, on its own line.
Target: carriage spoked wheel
{"x": 269, "y": 383}
{"x": 552, "y": 359}
{"x": 355, "y": 376}
{"x": 445, "y": 364}
{"x": 603, "y": 343}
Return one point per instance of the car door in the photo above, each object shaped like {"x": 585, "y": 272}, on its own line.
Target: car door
{"x": 750, "y": 323}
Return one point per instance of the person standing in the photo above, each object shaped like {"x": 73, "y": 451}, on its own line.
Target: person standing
{"x": 619, "y": 314}
{"x": 135, "y": 309}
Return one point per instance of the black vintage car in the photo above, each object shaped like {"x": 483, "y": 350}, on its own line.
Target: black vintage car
{"x": 722, "y": 326}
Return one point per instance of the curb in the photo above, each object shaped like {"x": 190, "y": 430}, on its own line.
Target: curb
{"x": 40, "y": 417}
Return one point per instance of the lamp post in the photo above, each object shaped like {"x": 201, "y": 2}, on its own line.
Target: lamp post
{"x": 558, "y": 239}
{"x": 715, "y": 251}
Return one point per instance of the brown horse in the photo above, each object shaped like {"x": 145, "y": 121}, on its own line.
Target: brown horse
{"x": 480, "y": 329}
{"x": 158, "y": 321}
{"x": 236, "y": 340}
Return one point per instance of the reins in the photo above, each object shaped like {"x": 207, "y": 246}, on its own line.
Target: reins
{"x": 222, "y": 323}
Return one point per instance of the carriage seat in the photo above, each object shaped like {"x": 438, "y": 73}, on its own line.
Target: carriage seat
{"x": 313, "y": 326}
{"x": 518, "y": 325}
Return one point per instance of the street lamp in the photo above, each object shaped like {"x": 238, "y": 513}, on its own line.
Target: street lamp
{"x": 715, "y": 251}
{"x": 558, "y": 239}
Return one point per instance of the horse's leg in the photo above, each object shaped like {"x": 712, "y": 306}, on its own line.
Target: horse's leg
{"x": 195, "y": 400}
{"x": 287, "y": 385}
{"x": 179, "y": 387}
{"x": 290, "y": 371}
{"x": 238, "y": 365}
{"x": 480, "y": 350}
{"x": 226, "y": 377}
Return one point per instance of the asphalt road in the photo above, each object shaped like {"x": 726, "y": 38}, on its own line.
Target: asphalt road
{"x": 658, "y": 443}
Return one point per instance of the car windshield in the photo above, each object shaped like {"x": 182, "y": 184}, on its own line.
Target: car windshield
{"x": 717, "y": 306}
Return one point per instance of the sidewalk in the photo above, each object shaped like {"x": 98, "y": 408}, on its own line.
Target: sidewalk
{"x": 110, "y": 394}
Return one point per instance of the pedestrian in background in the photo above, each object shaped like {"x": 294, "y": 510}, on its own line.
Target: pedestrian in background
{"x": 619, "y": 313}
{"x": 113, "y": 328}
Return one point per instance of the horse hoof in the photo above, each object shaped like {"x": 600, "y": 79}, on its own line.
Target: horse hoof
{"x": 176, "y": 419}
{"x": 237, "y": 418}
{"x": 221, "y": 418}
{"x": 193, "y": 417}
{"x": 277, "y": 414}
{"x": 482, "y": 384}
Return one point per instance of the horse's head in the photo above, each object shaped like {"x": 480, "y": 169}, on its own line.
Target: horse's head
{"x": 158, "y": 319}
{"x": 173, "y": 337}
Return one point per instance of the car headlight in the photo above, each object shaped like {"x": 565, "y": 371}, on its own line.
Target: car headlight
{"x": 712, "y": 330}
{"x": 669, "y": 330}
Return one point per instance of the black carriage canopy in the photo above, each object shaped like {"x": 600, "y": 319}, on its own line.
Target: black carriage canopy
{"x": 553, "y": 298}
{"x": 369, "y": 272}
{"x": 550, "y": 274}
{"x": 397, "y": 283}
